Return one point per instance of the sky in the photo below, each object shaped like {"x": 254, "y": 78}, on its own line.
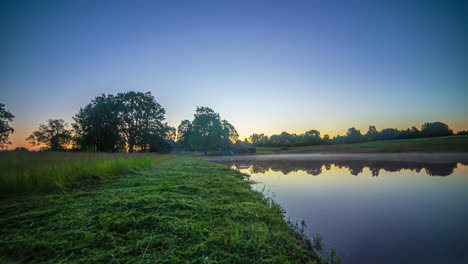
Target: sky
{"x": 265, "y": 66}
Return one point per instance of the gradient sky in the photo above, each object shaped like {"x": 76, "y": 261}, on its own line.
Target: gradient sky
{"x": 266, "y": 66}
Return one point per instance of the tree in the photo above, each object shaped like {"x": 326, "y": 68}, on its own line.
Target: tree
{"x": 168, "y": 132}
{"x": 183, "y": 134}
{"x": 353, "y": 135}
{"x": 54, "y": 135}
{"x": 229, "y": 134}
{"x": 371, "y": 134}
{"x": 312, "y": 137}
{"x": 435, "y": 129}
{"x": 97, "y": 125}
{"x": 5, "y": 128}
{"x": 207, "y": 130}
{"x": 258, "y": 139}
{"x": 389, "y": 134}
{"x": 140, "y": 116}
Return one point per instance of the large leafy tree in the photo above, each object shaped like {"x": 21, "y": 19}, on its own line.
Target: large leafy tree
{"x": 54, "y": 135}
{"x": 206, "y": 132}
{"x": 353, "y": 135}
{"x": 141, "y": 116}
{"x": 5, "y": 128}
{"x": 97, "y": 125}
{"x": 435, "y": 129}
{"x": 312, "y": 137}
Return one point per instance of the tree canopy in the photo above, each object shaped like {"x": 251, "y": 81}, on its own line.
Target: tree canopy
{"x": 97, "y": 125}
{"x": 353, "y": 135}
{"x": 206, "y": 132}
{"x": 131, "y": 119}
{"x": 141, "y": 116}
{"x": 5, "y": 128}
{"x": 54, "y": 135}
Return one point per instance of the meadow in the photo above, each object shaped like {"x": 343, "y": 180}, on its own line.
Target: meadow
{"x": 22, "y": 171}
{"x": 180, "y": 210}
{"x": 432, "y": 144}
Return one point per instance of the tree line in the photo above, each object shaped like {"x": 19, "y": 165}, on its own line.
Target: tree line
{"x": 353, "y": 135}
{"x": 135, "y": 121}
{"x": 125, "y": 122}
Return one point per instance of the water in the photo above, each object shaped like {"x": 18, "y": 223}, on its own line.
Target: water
{"x": 374, "y": 208}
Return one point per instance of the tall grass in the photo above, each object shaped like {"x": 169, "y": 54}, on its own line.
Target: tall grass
{"x": 22, "y": 172}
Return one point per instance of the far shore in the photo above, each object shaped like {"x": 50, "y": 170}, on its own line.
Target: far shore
{"x": 403, "y": 157}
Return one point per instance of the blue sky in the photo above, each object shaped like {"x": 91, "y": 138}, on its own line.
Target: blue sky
{"x": 266, "y": 66}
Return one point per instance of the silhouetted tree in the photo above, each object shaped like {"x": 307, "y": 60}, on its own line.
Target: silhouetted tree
{"x": 206, "y": 129}
{"x": 54, "y": 135}
{"x": 371, "y": 134}
{"x": 388, "y": 134}
{"x": 97, "y": 125}
{"x": 206, "y": 132}
{"x": 435, "y": 129}
{"x": 353, "y": 135}
{"x": 229, "y": 134}
{"x": 259, "y": 139}
{"x": 5, "y": 128}
{"x": 140, "y": 116}
{"x": 312, "y": 137}
{"x": 183, "y": 134}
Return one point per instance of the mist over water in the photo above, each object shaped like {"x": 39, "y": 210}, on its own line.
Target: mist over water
{"x": 372, "y": 210}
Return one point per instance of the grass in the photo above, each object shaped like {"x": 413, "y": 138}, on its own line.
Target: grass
{"x": 182, "y": 210}
{"x": 22, "y": 171}
{"x": 436, "y": 144}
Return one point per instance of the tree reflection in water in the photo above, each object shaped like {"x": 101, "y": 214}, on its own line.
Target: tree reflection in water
{"x": 355, "y": 167}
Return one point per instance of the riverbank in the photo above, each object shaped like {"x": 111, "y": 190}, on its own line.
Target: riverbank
{"x": 177, "y": 211}
{"x": 418, "y": 145}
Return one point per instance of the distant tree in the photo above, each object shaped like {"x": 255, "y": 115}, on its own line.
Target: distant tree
{"x": 258, "y": 139}
{"x": 388, "y": 134}
{"x": 326, "y": 139}
{"x": 462, "y": 132}
{"x": 312, "y": 137}
{"x": 5, "y": 128}
{"x": 140, "y": 116}
{"x": 435, "y": 129}
{"x": 97, "y": 125}
{"x": 169, "y": 132}
{"x": 52, "y": 136}
{"x": 412, "y": 132}
{"x": 229, "y": 134}
{"x": 207, "y": 130}
{"x": 353, "y": 135}
{"x": 21, "y": 149}
{"x": 371, "y": 134}
{"x": 183, "y": 134}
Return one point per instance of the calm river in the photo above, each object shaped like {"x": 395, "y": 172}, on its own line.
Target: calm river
{"x": 382, "y": 208}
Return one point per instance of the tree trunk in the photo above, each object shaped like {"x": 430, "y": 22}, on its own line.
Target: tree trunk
{"x": 130, "y": 148}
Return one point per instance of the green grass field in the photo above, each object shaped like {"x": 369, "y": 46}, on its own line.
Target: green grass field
{"x": 181, "y": 210}
{"x": 22, "y": 171}
{"x": 436, "y": 144}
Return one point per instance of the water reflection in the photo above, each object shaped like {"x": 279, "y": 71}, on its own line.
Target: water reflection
{"x": 355, "y": 167}
{"x": 394, "y": 212}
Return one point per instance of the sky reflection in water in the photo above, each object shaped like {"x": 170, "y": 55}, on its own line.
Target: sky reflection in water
{"x": 373, "y": 211}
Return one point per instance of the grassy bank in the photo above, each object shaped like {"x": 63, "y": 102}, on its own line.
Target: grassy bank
{"x": 22, "y": 171}
{"x": 183, "y": 210}
{"x": 436, "y": 144}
